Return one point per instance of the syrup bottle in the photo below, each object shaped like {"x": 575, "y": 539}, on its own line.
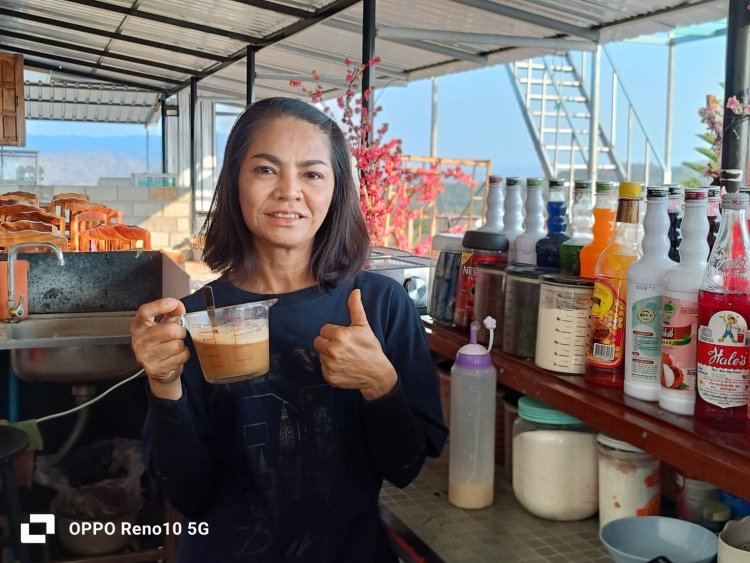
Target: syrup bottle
{"x": 644, "y": 302}
{"x": 548, "y": 248}
{"x": 581, "y": 224}
{"x": 723, "y": 365}
{"x": 680, "y": 309}
{"x": 524, "y": 251}
{"x": 674, "y": 209}
{"x": 603, "y": 229}
{"x": 606, "y": 347}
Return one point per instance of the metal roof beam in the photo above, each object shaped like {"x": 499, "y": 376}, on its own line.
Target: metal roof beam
{"x": 332, "y": 80}
{"x": 689, "y": 39}
{"x": 185, "y": 24}
{"x": 111, "y": 34}
{"x": 90, "y": 51}
{"x": 440, "y": 49}
{"x": 89, "y": 103}
{"x": 387, "y": 32}
{"x": 93, "y": 87}
{"x": 315, "y": 17}
{"x": 54, "y": 118}
{"x": 220, "y": 91}
{"x": 654, "y": 14}
{"x": 335, "y": 60}
{"x": 278, "y": 8}
{"x": 93, "y": 65}
{"x": 531, "y": 17}
{"x": 30, "y": 63}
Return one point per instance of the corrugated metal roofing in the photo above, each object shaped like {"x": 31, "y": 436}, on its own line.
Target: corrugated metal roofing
{"x": 90, "y": 102}
{"x": 159, "y": 45}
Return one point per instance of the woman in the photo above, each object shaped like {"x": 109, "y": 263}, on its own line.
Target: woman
{"x": 288, "y": 466}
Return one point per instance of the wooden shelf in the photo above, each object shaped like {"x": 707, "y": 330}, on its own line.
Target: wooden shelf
{"x": 692, "y": 448}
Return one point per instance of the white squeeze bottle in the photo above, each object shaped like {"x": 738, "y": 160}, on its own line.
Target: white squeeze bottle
{"x": 679, "y": 342}
{"x": 471, "y": 469}
{"x": 644, "y": 301}
{"x": 525, "y": 246}
{"x": 513, "y": 216}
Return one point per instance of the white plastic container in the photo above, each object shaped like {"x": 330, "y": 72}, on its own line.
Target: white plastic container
{"x": 691, "y": 494}
{"x": 680, "y": 312}
{"x": 555, "y": 464}
{"x": 644, "y": 302}
{"x": 471, "y": 470}
{"x": 629, "y": 481}
{"x": 563, "y": 323}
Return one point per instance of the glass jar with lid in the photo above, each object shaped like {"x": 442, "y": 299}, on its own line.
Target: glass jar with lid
{"x": 520, "y": 309}
{"x": 629, "y": 481}
{"x": 555, "y": 466}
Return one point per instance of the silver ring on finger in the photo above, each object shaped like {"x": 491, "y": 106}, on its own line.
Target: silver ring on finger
{"x": 170, "y": 377}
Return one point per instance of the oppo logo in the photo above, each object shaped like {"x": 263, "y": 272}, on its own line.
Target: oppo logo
{"x": 716, "y": 357}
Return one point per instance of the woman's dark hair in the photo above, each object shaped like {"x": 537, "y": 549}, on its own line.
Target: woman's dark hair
{"x": 342, "y": 243}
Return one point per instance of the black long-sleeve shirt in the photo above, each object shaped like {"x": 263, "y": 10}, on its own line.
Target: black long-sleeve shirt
{"x": 285, "y": 467}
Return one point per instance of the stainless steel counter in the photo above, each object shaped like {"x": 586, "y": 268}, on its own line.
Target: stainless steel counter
{"x": 504, "y": 532}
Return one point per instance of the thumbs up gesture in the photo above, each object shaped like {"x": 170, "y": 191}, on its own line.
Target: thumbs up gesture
{"x": 351, "y": 356}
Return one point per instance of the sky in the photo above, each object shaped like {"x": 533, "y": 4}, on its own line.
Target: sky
{"x": 479, "y": 118}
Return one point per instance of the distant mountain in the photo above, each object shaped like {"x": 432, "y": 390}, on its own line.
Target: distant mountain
{"x": 81, "y": 160}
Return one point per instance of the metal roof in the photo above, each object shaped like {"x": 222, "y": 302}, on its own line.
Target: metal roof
{"x": 160, "y": 45}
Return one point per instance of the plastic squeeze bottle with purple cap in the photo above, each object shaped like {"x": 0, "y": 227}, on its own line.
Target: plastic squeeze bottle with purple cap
{"x": 471, "y": 471}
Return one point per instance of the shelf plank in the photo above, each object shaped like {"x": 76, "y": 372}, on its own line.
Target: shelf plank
{"x": 694, "y": 449}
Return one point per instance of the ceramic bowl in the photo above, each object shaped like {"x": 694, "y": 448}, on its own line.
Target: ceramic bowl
{"x": 734, "y": 542}
{"x": 638, "y": 539}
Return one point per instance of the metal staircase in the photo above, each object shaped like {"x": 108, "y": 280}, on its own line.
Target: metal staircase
{"x": 553, "y": 92}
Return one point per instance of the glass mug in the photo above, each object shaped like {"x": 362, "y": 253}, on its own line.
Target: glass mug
{"x": 231, "y": 342}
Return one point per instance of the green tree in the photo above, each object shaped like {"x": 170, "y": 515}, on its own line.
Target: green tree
{"x": 701, "y": 167}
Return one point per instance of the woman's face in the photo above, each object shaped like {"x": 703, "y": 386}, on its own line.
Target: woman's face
{"x": 286, "y": 184}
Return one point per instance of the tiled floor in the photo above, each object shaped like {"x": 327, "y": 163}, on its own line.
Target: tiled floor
{"x": 504, "y": 532}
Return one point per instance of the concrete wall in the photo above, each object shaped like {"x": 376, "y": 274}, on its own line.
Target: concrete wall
{"x": 163, "y": 211}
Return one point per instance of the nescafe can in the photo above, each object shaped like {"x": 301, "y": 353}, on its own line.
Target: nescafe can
{"x": 480, "y": 248}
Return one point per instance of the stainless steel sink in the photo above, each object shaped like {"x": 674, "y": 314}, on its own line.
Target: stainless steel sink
{"x": 71, "y": 348}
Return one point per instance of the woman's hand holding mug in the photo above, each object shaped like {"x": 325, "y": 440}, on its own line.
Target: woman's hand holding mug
{"x": 159, "y": 347}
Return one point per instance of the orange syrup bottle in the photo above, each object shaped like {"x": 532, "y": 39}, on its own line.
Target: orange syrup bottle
{"x": 603, "y": 229}
{"x": 607, "y": 330}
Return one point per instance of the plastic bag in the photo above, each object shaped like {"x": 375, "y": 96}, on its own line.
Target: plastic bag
{"x": 99, "y": 481}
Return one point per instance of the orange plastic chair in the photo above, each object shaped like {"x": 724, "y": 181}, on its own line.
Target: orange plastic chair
{"x": 116, "y": 237}
{"x": 26, "y": 225}
{"x": 27, "y": 196}
{"x": 72, "y": 195}
{"x": 83, "y": 221}
{"x": 10, "y": 210}
{"x": 44, "y": 216}
{"x": 62, "y": 205}
{"x": 8, "y": 239}
{"x": 113, "y": 215}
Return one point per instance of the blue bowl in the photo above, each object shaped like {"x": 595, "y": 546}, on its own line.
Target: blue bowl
{"x": 638, "y": 539}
